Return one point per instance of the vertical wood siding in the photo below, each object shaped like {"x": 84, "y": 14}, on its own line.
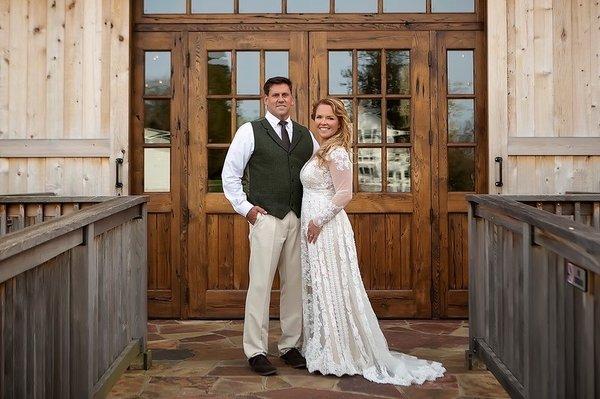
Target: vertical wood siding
{"x": 544, "y": 82}
{"x": 64, "y": 74}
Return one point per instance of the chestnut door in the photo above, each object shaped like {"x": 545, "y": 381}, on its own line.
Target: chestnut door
{"x": 158, "y": 123}
{"x": 383, "y": 78}
{"x": 459, "y": 142}
{"x": 227, "y": 71}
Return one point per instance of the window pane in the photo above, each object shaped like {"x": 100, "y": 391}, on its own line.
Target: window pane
{"x": 315, "y": 6}
{"x": 216, "y": 158}
{"x": 398, "y": 170}
{"x": 340, "y": 72}
{"x": 157, "y": 73}
{"x": 157, "y": 170}
{"x": 212, "y": 7}
{"x": 369, "y": 72}
{"x": 348, "y": 106}
{"x": 369, "y": 121}
{"x": 461, "y": 169}
{"x": 398, "y": 71}
{"x": 219, "y": 72}
{"x": 461, "y": 121}
{"x": 164, "y": 6}
{"x": 248, "y": 72}
{"x": 355, "y": 6}
{"x": 398, "y": 121}
{"x": 369, "y": 169}
{"x": 404, "y": 6}
{"x": 157, "y": 121}
{"x": 276, "y": 64}
{"x": 247, "y": 111}
{"x": 452, "y": 6}
{"x": 257, "y": 6}
{"x": 460, "y": 72}
{"x": 219, "y": 121}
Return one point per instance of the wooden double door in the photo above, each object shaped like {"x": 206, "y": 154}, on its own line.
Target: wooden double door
{"x": 417, "y": 104}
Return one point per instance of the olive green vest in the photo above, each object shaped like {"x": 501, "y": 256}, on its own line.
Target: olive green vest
{"x": 273, "y": 174}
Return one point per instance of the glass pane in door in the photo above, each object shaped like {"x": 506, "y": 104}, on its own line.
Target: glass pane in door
{"x": 307, "y": 6}
{"x": 398, "y": 121}
{"x": 404, "y": 6}
{"x": 461, "y": 169}
{"x": 398, "y": 170}
{"x": 369, "y": 121}
{"x": 460, "y": 72}
{"x": 369, "y": 169}
{"x": 157, "y": 121}
{"x": 164, "y": 6}
{"x": 398, "y": 71}
{"x": 248, "y": 72}
{"x": 259, "y": 6}
{"x": 351, "y": 6}
{"x": 340, "y": 72}
{"x": 369, "y": 72}
{"x": 276, "y": 64}
{"x": 219, "y": 72}
{"x": 157, "y": 170}
{"x": 157, "y": 73}
{"x": 461, "y": 120}
{"x": 212, "y": 7}
{"x": 452, "y": 6}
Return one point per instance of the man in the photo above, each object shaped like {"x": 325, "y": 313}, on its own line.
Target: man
{"x": 270, "y": 152}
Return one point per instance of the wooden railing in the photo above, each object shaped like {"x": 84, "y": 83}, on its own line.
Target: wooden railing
{"x": 72, "y": 294}
{"x": 534, "y": 293}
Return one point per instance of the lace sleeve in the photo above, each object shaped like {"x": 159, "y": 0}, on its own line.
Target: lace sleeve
{"x": 340, "y": 168}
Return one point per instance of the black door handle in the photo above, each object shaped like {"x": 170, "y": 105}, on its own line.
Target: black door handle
{"x": 499, "y": 182}
{"x": 118, "y": 182}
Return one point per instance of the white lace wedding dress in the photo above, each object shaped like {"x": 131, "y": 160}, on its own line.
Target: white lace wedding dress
{"x": 341, "y": 332}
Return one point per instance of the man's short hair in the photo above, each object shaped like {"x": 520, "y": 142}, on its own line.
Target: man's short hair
{"x": 276, "y": 80}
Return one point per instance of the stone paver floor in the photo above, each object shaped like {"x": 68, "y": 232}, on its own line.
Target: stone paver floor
{"x": 202, "y": 359}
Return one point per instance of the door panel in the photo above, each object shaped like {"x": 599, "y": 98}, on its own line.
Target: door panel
{"x": 227, "y": 71}
{"x": 460, "y": 145}
{"x": 158, "y": 156}
{"x": 383, "y": 78}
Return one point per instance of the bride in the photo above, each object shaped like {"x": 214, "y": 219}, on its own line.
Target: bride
{"x": 341, "y": 331}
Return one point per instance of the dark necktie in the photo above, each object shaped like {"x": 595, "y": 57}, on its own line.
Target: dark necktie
{"x": 285, "y": 138}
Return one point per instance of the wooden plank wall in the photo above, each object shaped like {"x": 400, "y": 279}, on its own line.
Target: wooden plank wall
{"x": 544, "y": 95}
{"x": 64, "y": 75}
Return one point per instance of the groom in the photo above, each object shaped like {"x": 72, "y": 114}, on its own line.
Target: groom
{"x": 269, "y": 153}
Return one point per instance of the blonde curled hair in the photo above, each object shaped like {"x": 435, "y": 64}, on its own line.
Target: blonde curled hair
{"x": 343, "y": 136}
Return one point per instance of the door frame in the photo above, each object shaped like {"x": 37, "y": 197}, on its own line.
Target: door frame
{"x": 184, "y": 26}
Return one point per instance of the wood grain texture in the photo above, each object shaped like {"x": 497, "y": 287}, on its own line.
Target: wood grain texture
{"x": 64, "y": 322}
{"x": 56, "y": 83}
{"x": 522, "y": 307}
{"x": 552, "y": 94}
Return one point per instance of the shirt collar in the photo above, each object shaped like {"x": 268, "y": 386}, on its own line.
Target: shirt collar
{"x": 274, "y": 121}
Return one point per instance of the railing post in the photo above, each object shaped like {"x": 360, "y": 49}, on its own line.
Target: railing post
{"x": 473, "y": 282}
{"x": 140, "y": 283}
{"x": 527, "y": 234}
{"x": 84, "y": 287}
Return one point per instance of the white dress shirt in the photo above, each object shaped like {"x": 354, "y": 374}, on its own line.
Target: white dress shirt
{"x": 240, "y": 151}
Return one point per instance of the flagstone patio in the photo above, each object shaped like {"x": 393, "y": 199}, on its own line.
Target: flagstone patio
{"x": 202, "y": 359}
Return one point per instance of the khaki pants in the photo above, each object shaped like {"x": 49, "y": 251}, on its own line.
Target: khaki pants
{"x": 274, "y": 243}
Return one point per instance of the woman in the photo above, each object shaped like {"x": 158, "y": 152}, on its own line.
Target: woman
{"x": 341, "y": 331}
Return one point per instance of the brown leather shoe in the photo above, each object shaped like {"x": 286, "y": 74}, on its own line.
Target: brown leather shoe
{"x": 294, "y": 358}
{"x": 261, "y": 365}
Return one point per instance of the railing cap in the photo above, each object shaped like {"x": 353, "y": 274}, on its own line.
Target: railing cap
{"x": 27, "y": 238}
{"x": 583, "y": 235}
